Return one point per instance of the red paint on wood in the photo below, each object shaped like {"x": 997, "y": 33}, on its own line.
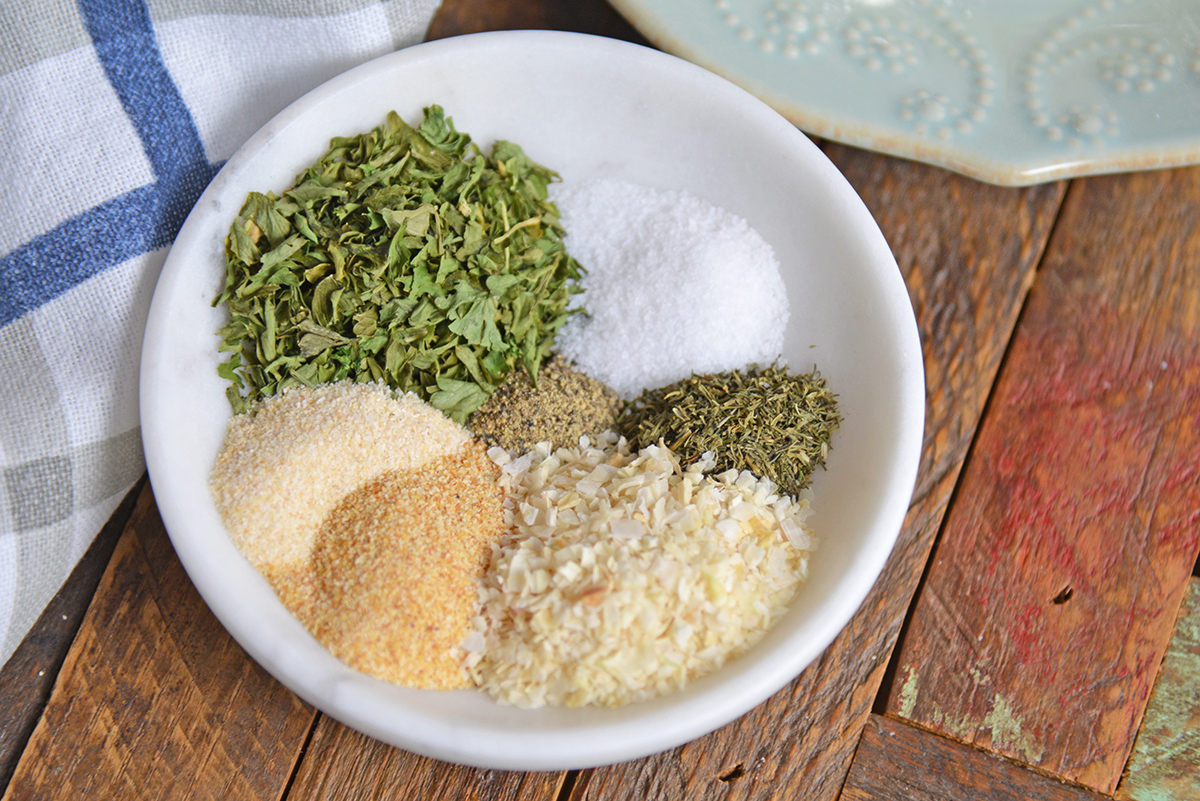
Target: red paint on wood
{"x": 1083, "y": 478}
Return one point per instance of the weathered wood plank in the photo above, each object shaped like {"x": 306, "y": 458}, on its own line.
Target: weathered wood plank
{"x": 155, "y": 699}
{"x": 341, "y": 764}
{"x": 967, "y": 277}
{"x": 1165, "y": 764}
{"x": 28, "y": 676}
{"x": 1053, "y": 590}
{"x": 898, "y": 762}
{"x": 456, "y": 17}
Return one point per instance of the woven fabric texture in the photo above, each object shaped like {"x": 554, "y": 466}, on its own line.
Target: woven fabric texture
{"x": 115, "y": 115}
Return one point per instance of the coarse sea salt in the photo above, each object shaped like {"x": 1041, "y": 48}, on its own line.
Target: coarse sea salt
{"x": 674, "y": 286}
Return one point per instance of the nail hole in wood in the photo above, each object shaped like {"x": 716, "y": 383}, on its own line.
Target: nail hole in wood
{"x": 1064, "y": 595}
{"x": 737, "y": 772}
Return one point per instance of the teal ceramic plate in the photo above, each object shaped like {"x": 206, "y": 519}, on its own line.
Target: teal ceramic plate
{"x": 1016, "y": 92}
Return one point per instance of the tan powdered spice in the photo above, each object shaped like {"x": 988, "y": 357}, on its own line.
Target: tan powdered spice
{"x": 394, "y": 569}
{"x": 285, "y": 465}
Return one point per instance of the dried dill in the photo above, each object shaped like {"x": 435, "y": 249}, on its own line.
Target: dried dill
{"x": 405, "y": 255}
{"x": 775, "y": 425}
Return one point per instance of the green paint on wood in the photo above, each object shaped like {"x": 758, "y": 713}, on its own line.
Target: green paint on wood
{"x": 908, "y": 694}
{"x": 1006, "y": 727}
{"x": 1007, "y": 731}
{"x": 1165, "y": 764}
{"x": 960, "y": 727}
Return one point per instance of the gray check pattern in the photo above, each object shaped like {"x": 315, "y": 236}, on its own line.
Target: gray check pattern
{"x": 70, "y": 445}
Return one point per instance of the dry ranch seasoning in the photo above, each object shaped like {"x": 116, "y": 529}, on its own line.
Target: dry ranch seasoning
{"x": 564, "y": 406}
{"x": 404, "y": 255}
{"x": 770, "y": 422}
{"x": 628, "y": 575}
{"x": 371, "y": 515}
{"x": 546, "y": 570}
{"x": 674, "y": 286}
{"x": 391, "y": 585}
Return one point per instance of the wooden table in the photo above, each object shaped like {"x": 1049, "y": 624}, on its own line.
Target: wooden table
{"x": 1035, "y": 634}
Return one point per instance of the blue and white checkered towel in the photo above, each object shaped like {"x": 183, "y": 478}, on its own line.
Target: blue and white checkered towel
{"x": 114, "y": 115}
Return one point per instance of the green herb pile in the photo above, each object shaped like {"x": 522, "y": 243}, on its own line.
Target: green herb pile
{"x": 404, "y": 255}
{"x": 775, "y": 425}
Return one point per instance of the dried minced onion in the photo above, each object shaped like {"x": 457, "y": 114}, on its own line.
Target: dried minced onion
{"x": 628, "y": 575}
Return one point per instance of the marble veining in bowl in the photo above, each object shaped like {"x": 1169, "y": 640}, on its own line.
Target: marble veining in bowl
{"x": 1015, "y": 92}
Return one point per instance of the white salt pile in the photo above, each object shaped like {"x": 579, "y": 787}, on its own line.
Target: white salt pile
{"x": 674, "y": 286}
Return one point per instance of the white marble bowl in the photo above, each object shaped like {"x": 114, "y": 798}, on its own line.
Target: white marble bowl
{"x": 584, "y": 106}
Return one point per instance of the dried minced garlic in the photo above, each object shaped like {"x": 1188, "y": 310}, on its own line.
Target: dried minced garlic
{"x": 627, "y": 575}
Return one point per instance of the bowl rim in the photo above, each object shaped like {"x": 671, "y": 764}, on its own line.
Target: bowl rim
{"x": 605, "y": 740}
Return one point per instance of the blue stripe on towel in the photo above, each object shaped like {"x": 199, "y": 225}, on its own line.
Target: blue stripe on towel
{"x": 139, "y": 221}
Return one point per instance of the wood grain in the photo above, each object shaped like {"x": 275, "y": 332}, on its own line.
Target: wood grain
{"x": 155, "y": 700}
{"x": 341, "y": 764}
{"x": 967, "y": 279}
{"x": 898, "y": 762}
{"x": 1053, "y": 591}
{"x": 1165, "y": 764}
{"x": 457, "y": 17}
{"x": 29, "y": 674}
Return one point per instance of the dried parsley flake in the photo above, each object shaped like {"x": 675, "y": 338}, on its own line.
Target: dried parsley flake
{"x": 404, "y": 255}
{"x": 775, "y": 425}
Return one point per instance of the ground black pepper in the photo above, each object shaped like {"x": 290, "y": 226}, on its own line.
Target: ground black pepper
{"x": 565, "y": 405}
